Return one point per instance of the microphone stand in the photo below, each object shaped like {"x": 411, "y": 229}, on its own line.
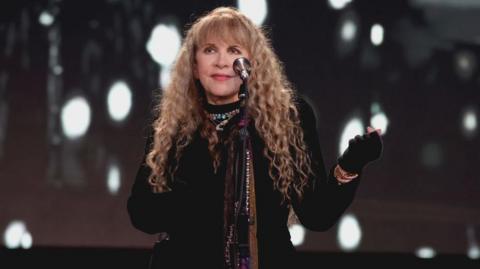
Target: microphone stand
{"x": 241, "y": 210}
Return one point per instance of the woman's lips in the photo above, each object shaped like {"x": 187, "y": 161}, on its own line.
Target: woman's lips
{"x": 220, "y": 77}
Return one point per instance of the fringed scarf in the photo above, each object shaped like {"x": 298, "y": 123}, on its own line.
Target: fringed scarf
{"x": 240, "y": 223}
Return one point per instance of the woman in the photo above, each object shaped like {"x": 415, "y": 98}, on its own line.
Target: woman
{"x": 186, "y": 184}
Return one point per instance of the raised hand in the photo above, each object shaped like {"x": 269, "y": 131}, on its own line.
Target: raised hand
{"x": 362, "y": 149}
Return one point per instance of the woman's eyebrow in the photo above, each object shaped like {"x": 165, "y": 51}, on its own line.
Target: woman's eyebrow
{"x": 208, "y": 45}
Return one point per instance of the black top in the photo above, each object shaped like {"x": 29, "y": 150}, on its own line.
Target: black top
{"x": 211, "y": 108}
{"x": 192, "y": 213}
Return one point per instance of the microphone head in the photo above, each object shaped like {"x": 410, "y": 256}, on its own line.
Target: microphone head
{"x": 242, "y": 67}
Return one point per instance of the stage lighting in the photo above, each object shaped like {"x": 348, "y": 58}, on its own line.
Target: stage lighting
{"x": 376, "y": 34}
{"x": 113, "y": 178}
{"x": 57, "y": 70}
{"x": 164, "y": 79}
{"x": 469, "y": 122}
{"x": 26, "y": 241}
{"x": 119, "y": 101}
{"x": 378, "y": 120}
{"x": 354, "y": 127}
{"x": 16, "y": 235}
{"x": 297, "y": 234}
{"x": 46, "y": 18}
{"x": 164, "y": 44}
{"x": 465, "y": 64}
{"x": 75, "y": 117}
{"x": 256, "y": 10}
{"x": 473, "y": 252}
{"x": 349, "y": 30}
{"x": 425, "y": 252}
{"x": 349, "y": 233}
{"x": 338, "y": 4}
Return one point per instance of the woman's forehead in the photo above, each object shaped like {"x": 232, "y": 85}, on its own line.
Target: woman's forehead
{"x": 220, "y": 41}
{"x": 217, "y": 33}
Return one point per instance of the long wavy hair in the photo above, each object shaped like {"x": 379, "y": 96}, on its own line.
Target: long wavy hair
{"x": 271, "y": 104}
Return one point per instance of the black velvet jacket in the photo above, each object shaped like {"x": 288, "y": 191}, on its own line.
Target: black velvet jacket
{"x": 192, "y": 213}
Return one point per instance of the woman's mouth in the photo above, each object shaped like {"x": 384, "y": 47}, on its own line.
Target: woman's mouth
{"x": 221, "y": 77}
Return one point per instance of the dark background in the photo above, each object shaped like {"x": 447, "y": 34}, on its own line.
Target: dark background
{"x": 424, "y": 76}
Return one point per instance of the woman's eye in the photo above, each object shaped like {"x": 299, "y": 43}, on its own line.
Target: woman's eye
{"x": 235, "y": 51}
{"x": 209, "y": 50}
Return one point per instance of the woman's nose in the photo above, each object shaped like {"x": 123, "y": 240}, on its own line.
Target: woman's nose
{"x": 222, "y": 60}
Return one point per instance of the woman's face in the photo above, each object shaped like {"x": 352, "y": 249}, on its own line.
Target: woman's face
{"x": 213, "y": 68}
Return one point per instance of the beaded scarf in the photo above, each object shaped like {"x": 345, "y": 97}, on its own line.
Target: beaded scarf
{"x": 236, "y": 256}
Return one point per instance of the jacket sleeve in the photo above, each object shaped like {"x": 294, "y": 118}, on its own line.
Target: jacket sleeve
{"x": 156, "y": 212}
{"x": 324, "y": 201}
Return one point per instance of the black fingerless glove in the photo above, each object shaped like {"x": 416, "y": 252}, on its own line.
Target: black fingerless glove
{"x": 361, "y": 150}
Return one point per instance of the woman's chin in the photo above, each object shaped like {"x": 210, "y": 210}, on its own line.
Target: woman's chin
{"x": 222, "y": 97}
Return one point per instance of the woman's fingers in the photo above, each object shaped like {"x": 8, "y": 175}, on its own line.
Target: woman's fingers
{"x": 371, "y": 129}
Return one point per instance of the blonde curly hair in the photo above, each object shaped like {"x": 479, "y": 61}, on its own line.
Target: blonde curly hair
{"x": 271, "y": 104}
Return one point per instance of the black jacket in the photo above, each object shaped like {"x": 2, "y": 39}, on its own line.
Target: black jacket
{"x": 192, "y": 213}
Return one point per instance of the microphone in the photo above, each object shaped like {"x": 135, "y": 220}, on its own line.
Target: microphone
{"x": 242, "y": 67}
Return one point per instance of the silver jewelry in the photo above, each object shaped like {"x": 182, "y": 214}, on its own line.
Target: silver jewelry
{"x": 221, "y": 119}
